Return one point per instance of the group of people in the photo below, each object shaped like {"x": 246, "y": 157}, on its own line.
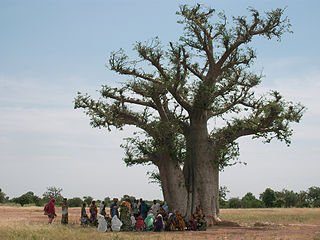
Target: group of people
{"x": 50, "y": 211}
{"x": 129, "y": 215}
{"x": 138, "y": 216}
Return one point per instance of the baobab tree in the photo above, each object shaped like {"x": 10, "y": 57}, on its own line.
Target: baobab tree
{"x": 177, "y": 90}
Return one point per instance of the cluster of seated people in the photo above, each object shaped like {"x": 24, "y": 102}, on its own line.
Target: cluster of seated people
{"x": 138, "y": 216}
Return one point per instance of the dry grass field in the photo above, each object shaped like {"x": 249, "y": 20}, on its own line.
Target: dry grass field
{"x": 29, "y": 223}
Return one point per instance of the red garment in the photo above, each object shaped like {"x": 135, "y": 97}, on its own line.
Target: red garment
{"x": 140, "y": 224}
{"x": 51, "y": 209}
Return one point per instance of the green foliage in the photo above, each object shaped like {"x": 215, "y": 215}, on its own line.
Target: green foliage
{"x": 223, "y": 191}
{"x": 107, "y": 201}
{"x": 2, "y": 196}
{"x": 250, "y": 201}
{"x": 27, "y": 198}
{"x": 314, "y": 196}
{"x": 53, "y": 192}
{"x": 75, "y": 202}
{"x": 87, "y": 200}
{"x": 268, "y": 197}
{"x": 234, "y": 203}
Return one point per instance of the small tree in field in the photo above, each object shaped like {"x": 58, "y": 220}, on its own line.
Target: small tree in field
{"x": 53, "y": 192}
{"x": 176, "y": 93}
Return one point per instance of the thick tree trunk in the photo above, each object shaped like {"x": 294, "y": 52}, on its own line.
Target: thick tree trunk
{"x": 173, "y": 184}
{"x": 205, "y": 173}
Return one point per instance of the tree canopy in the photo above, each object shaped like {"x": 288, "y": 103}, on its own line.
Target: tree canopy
{"x": 175, "y": 90}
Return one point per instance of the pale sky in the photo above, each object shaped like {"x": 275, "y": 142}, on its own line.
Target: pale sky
{"x": 50, "y": 50}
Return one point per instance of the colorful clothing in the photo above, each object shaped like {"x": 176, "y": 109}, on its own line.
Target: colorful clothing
{"x": 64, "y": 217}
{"x": 149, "y": 222}
{"x": 50, "y": 210}
{"x": 158, "y": 223}
{"x": 93, "y": 214}
{"x": 139, "y": 224}
{"x": 114, "y": 209}
{"x": 125, "y": 218}
{"x": 84, "y": 217}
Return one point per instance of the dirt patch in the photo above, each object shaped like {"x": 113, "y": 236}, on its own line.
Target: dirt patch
{"x": 226, "y": 230}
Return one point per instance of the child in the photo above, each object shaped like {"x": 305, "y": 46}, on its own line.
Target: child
{"x": 140, "y": 224}
{"x": 84, "y": 220}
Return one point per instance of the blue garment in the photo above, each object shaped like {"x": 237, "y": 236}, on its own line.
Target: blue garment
{"x": 114, "y": 210}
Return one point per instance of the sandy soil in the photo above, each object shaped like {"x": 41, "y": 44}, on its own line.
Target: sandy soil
{"x": 225, "y": 230}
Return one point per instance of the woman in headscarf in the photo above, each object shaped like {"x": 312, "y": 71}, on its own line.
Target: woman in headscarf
{"x": 125, "y": 217}
{"x": 50, "y": 210}
{"x": 158, "y": 223}
{"x": 140, "y": 224}
{"x": 93, "y": 213}
{"x": 84, "y": 217}
{"x": 116, "y": 224}
{"x": 149, "y": 221}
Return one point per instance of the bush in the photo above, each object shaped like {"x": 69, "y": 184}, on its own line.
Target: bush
{"x": 75, "y": 202}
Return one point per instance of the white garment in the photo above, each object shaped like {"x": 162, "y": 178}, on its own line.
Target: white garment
{"x": 155, "y": 208}
{"x": 103, "y": 225}
{"x": 133, "y": 221}
{"x": 115, "y": 224}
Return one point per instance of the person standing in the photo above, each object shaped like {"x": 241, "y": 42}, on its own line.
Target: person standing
{"x": 102, "y": 209}
{"x": 114, "y": 208}
{"x": 49, "y": 210}
{"x": 93, "y": 213}
{"x": 64, "y": 217}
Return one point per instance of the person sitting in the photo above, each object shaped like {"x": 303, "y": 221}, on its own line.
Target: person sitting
{"x": 158, "y": 223}
{"x": 192, "y": 223}
{"x": 84, "y": 220}
{"x": 108, "y": 219}
{"x": 149, "y": 221}
{"x": 179, "y": 222}
{"x": 201, "y": 220}
{"x": 139, "y": 224}
{"x": 133, "y": 221}
{"x": 169, "y": 223}
{"x": 102, "y": 223}
{"x": 116, "y": 224}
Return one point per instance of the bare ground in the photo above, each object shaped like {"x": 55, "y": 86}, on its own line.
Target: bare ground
{"x": 239, "y": 224}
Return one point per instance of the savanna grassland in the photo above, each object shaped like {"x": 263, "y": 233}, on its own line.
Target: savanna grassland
{"x": 29, "y": 223}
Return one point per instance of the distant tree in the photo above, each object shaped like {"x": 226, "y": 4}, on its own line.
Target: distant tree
{"x": 290, "y": 198}
{"x": 107, "y": 201}
{"x": 53, "y": 192}
{"x": 234, "y": 203}
{"x": 250, "y": 201}
{"x": 314, "y": 196}
{"x": 75, "y": 202}
{"x": 223, "y": 191}
{"x": 87, "y": 200}
{"x": 127, "y": 197}
{"x": 2, "y": 196}
{"x": 302, "y": 199}
{"x": 27, "y": 198}
{"x": 268, "y": 197}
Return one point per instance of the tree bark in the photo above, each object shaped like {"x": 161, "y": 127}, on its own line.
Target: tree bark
{"x": 173, "y": 184}
{"x": 205, "y": 172}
